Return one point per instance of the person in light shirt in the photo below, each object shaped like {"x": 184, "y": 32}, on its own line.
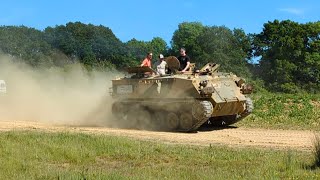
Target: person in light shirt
{"x": 161, "y": 65}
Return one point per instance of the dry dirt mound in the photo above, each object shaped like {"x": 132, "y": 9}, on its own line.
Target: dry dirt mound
{"x": 233, "y": 137}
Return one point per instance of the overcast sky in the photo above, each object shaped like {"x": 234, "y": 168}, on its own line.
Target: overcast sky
{"x": 143, "y": 19}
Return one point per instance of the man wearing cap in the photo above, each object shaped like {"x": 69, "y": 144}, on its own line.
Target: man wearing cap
{"x": 184, "y": 60}
{"x": 161, "y": 65}
{"x": 147, "y": 60}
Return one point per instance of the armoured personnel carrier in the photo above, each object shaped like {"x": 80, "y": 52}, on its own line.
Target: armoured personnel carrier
{"x": 179, "y": 101}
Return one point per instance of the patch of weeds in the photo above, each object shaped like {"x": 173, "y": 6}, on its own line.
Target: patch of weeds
{"x": 316, "y": 154}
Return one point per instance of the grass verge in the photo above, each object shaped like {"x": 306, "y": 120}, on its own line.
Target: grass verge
{"x": 284, "y": 111}
{"x": 39, "y": 155}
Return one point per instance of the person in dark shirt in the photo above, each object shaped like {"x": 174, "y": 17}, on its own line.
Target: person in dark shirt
{"x": 184, "y": 60}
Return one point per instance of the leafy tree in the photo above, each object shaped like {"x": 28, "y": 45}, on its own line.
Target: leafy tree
{"x": 26, "y": 43}
{"x": 225, "y": 47}
{"x": 186, "y": 36}
{"x": 88, "y": 43}
{"x": 289, "y": 55}
{"x": 60, "y": 38}
{"x": 158, "y": 46}
{"x": 221, "y": 45}
{"x": 137, "y": 50}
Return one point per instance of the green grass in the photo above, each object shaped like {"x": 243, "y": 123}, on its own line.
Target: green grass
{"x": 284, "y": 111}
{"x": 39, "y": 155}
{"x": 316, "y": 152}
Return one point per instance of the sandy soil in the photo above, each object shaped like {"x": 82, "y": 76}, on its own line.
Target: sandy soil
{"x": 232, "y": 137}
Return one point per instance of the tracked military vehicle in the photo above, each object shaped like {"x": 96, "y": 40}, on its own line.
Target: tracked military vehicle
{"x": 179, "y": 101}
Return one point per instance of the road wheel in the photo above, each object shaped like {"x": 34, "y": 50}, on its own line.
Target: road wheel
{"x": 119, "y": 111}
{"x": 186, "y": 121}
{"x": 132, "y": 120}
{"x": 159, "y": 118}
{"x": 172, "y": 121}
{"x": 144, "y": 120}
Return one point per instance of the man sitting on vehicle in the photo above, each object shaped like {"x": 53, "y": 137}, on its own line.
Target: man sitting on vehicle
{"x": 184, "y": 60}
{"x": 161, "y": 65}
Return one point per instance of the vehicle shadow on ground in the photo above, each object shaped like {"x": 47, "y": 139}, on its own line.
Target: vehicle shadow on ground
{"x": 215, "y": 128}
{"x": 200, "y": 129}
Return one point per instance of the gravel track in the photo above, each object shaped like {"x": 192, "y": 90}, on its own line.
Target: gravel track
{"x": 232, "y": 137}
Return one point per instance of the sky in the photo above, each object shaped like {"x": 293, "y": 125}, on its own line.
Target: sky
{"x": 146, "y": 19}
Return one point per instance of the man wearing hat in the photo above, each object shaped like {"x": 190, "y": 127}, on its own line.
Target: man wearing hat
{"x": 161, "y": 65}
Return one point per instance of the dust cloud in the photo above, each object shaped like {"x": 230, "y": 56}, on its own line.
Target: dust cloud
{"x": 60, "y": 96}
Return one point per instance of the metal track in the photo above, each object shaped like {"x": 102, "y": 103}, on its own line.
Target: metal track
{"x": 249, "y": 109}
{"x": 201, "y": 111}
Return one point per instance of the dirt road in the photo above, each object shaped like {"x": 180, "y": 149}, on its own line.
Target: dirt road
{"x": 233, "y": 137}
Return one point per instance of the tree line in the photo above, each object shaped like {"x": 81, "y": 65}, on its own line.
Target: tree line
{"x": 284, "y": 57}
